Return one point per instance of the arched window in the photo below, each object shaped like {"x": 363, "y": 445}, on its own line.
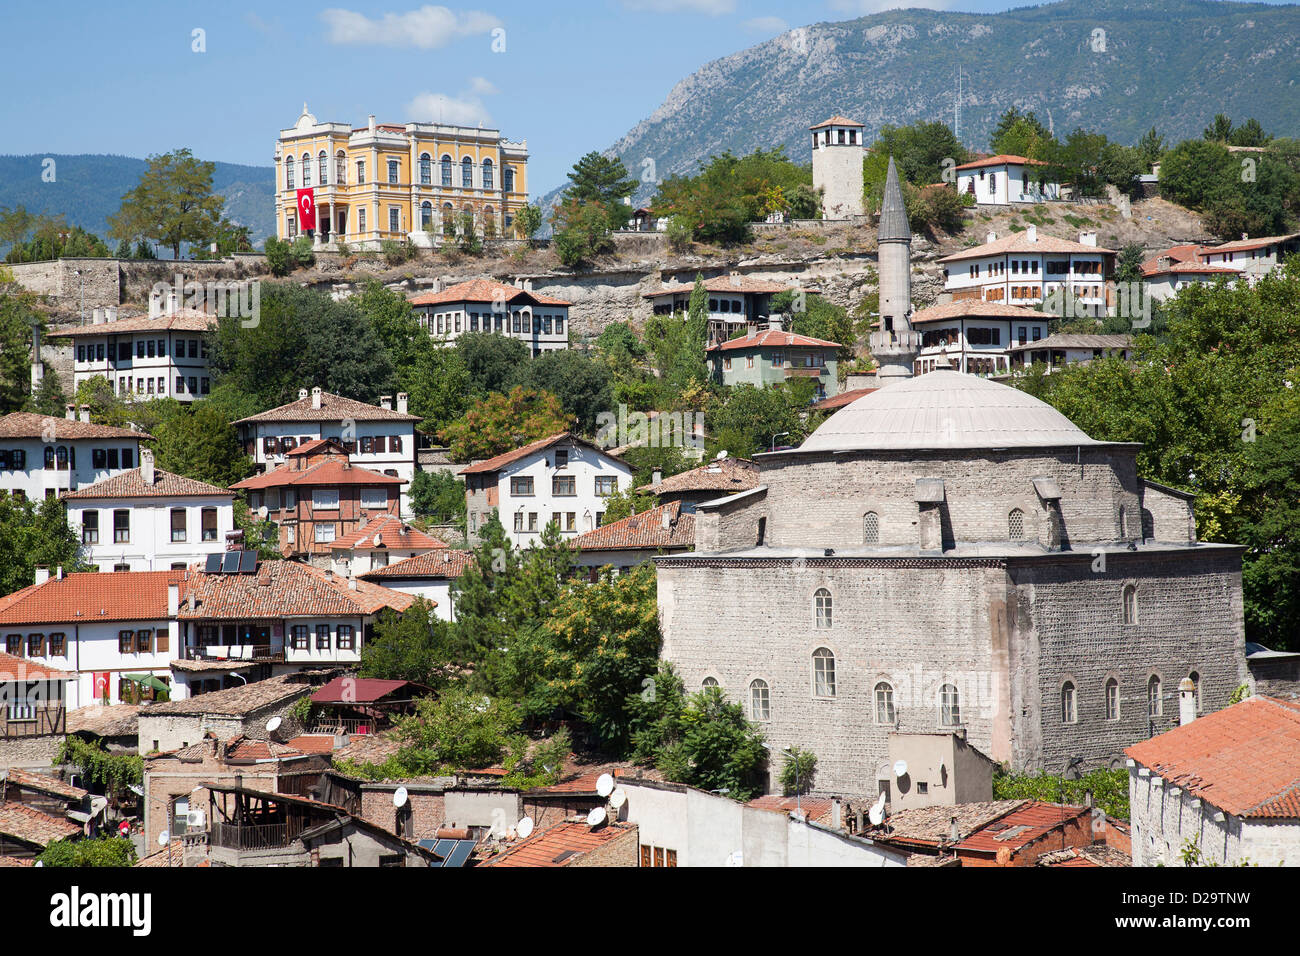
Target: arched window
{"x": 446, "y": 172}
{"x": 426, "y": 215}
{"x": 508, "y": 179}
{"x": 340, "y": 168}
{"x": 822, "y": 603}
{"x": 322, "y": 160}
{"x": 1112, "y": 699}
{"x": 448, "y": 220}
{"x": 1155, "y": 703}
{"x": 1069, "y": 714}
{"x": 885, "y": 703}
{"x": 467, "y": 173}
{"x": 306, "y": 169}
{"x": 1130, "y": 604}
{"x": 949, "y": 705}
{"x": 487, "y": 174}
{"x": 870, "y": 528}
{"x": 823, "y": 672}
{"x": 426, "y": 170}
{"x": 1195, "y": 678}
{"x": 288, "y": 173}
{"x": 1148, "y": 524}
{"x": 760, "y": 701}
{"x": 1016, "y": 524}
{"x": 709, "y": 682}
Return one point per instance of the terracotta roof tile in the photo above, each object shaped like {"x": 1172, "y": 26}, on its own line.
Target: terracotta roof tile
{"x": 393, "y": 532}
{"x": 45, "y": 784}
{"x": 365, "y": 690}
{"x": 730, "y": 283}
{"x": 327, "y": 471}
{"x": 131, "y": 484}
{"x": 20, "y": 669}
{"x": 1021, "y": 827}
{"x": 645, "y": 530}
{"x": 836, "y": 120}
{"x": 1018, "y": 242}
{"x": 730, "y": 474}
{"x": 1244, "y": 759}
{"x": 931, "y": 826}
{"x": 505, "y": 458}
{"x": 186, "y": 320}
{"x": 772, "y": 339}
{"x": 439, "y": 563}
{"x": 817, "y": 809}
{"x": 233, "y": 701}
{"x": 485, "y": 290}
{"x": 32, "y": 826}
{"x": 172, "y": 855}
{"x": 105, "y": 720}
{"x": 281, "y": 589}
{"x": 334, "y": 408}
{"x": 1245, "y": 245}
{"x": 312, "y": 743}
{"x": 1002, "y": 159}
{"x": 92, "y": 596}
{"x": 32, "y": 425}
{"x": 842, "y": 399}
{"x": 972, "y": 308}
{"x": 560, "y": 844}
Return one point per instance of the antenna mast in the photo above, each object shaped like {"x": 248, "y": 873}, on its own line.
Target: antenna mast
{"x": 957, "y": 107}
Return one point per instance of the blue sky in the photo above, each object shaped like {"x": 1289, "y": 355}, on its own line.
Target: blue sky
{"x": 124, "y": 78}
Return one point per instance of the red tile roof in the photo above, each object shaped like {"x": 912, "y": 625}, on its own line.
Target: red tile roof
{"x": 549, "y": 848}
{"x": 505, "y": 458}
{"x": 393, "y": 532}
{"x": 816, "y": 809}
{"x": 44, "y": 784}
{"x": 233, "y": 701}
{"x": 131, "y": 484}
{"x": 642, "y": 531}
{"x": 91, "y": 596}
{"x": 280, "y": 589}
{"x": 186, "y": 320}
{"x": 972, "y": 308}
{"x": 1002, "y": 159}
{"x": 312, "y": 743}
{"x": 485, "y": 290}
{"x": 1245, "y": 245}
{"x": 1020, "y": 827}
{"x": 326, "y": 471}
{"x": 1244, "y": 759}
{"x": 30, "y": 825}
{"x": 1190, "y": 268}
{"x": 1018, "y": 242}
{"x": 365, "y": 690}
{"x": 727, "y": 475}
{"x": 173, "y": 855}
{"x": 729, "y": 283}
{"x": 440, "y": 563}
{"x": 772, "y": 339}
{"x": 333, "y": 408}
{"x": 20, "y": 669}
{"x": 32, "y": 425}
{"x": 836, "y": 120}
{"x": 842, "y": 399}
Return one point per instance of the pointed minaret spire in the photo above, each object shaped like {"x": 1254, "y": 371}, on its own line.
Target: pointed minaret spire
{"x": 894, "y": 345}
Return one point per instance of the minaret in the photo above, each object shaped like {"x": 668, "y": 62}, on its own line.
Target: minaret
{"x": 895, "y": 344}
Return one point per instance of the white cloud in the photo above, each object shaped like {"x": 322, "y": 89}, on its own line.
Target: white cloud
{"x": 466, "y": 108}
{"x": 767, "y": 25}
{"x": 426, "y": 28}
{"x": 712, "y": 8}
{"x": 862, "y": 8}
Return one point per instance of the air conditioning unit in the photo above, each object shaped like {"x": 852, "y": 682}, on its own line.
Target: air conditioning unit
{"x": 195, "y": 820}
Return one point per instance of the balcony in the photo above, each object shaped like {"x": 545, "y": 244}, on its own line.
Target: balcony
{"x": 266, "y": 836}
{"x": 273, "y": 653}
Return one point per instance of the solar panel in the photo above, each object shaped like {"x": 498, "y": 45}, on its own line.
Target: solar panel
{"x": 213, "y": 565}
{"x": 459, "y": 853}
{"x": 230, "y": 562}
{"x": 247, "y": 562}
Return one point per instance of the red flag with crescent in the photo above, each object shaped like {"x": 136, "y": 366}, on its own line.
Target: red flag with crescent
{"x": 306, "y": 209}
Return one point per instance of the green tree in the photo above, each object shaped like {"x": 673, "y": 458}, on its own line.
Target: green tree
{"x": 1021, "y": 134}
{"x": 50, "y": 398}
{"x": 1109, "y": 789}
{"x": 260, "y": 535}
{"x": 415, "y": 645}
{"x": 492, "y": 361}
{"x": 1219, "y": 131}
{"x": 439, "y": 495}
{"x": 578, "y": 380}
{"x": 730, "y": 192}
{"x": 504, "y": 422}
{"x": 527, "y": 221}
{"x": 798, "y": 772}
{"x": 748, "y": 419}
{"x": 581, "y": 231}
{"x": 603, "y": 181}
{"x": 17, "y": 317}
{"x": 172, "y": 204}
{"x": 624, "y": 504}
{"x": 35, "y": 534}
{"x": 202, "y": 444}
{"x": 1151, "y": 146}
{"x": 100, "y": 852}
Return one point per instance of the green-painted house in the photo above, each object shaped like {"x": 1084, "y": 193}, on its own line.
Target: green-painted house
{"x": 773, "y": 356}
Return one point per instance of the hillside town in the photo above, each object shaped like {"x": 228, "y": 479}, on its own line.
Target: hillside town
{"x": 922, "y": 505}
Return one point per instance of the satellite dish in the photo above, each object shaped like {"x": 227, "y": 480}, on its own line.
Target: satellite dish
{"x": 524, "y": 828}
{"x": 400, "y": 797}
{"x": 618, "y": 798}
{"x": 273, "y": 725}
{"x": 164, "y": 838}
{"x": 900, "y": 768}
{"x": 596, "y": 817}
{"x": 605, "y": 785}
{"x": 721, "y": 456}
{"x": 875, "y": 815}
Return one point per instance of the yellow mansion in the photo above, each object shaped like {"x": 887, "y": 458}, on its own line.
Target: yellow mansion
{"x": 420, "y": 180}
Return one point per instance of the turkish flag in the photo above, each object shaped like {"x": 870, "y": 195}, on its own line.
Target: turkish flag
{"x": 103, "y": 684}
{"x": 307, "y": 209}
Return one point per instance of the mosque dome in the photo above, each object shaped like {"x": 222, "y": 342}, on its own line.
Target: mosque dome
{"x": 945, "y": 409}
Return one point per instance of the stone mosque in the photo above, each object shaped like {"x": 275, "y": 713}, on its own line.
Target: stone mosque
{"x": 951, "y": 555}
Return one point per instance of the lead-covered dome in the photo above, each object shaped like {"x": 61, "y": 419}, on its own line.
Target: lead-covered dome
{"x": 945, "y": 409}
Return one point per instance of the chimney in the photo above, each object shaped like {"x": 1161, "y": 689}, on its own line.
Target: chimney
{"x": 372, "y": 122}
{"x": 776, "y": 322}
{"x": 42, "y": 575}
{"x": 991, "y": 237}
{"x": 657, "y": 477}
{"x": 97, "y": 317}
{"x": 302, "y": 393}
{"x": 173, "y": 599}
{"x": 70, "y": 413}
{"x": 837, "y": 818}
{"x": 667, "y": 519}
{"x": 386, "y": 402}
{"x": 954, "y": 831}
{"x": 352, "y": 584}
{"x": 1164, "y": 262}
{"x": 58, "y": 573}
{"x": 172, "y": 302}
{"x": 110, "y": 314}
{"x": 402, "y": 402}
{"x": 1088, "y": 238}
{"x": 146, "y": 466}
{"x": 1186, "y": 701}
{"x": 315, "y": 397}
{"x": 85, "y": 413}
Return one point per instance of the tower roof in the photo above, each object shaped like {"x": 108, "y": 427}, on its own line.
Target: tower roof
{"x": 946, "y": 410}
{"x": 893, "y": 213}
